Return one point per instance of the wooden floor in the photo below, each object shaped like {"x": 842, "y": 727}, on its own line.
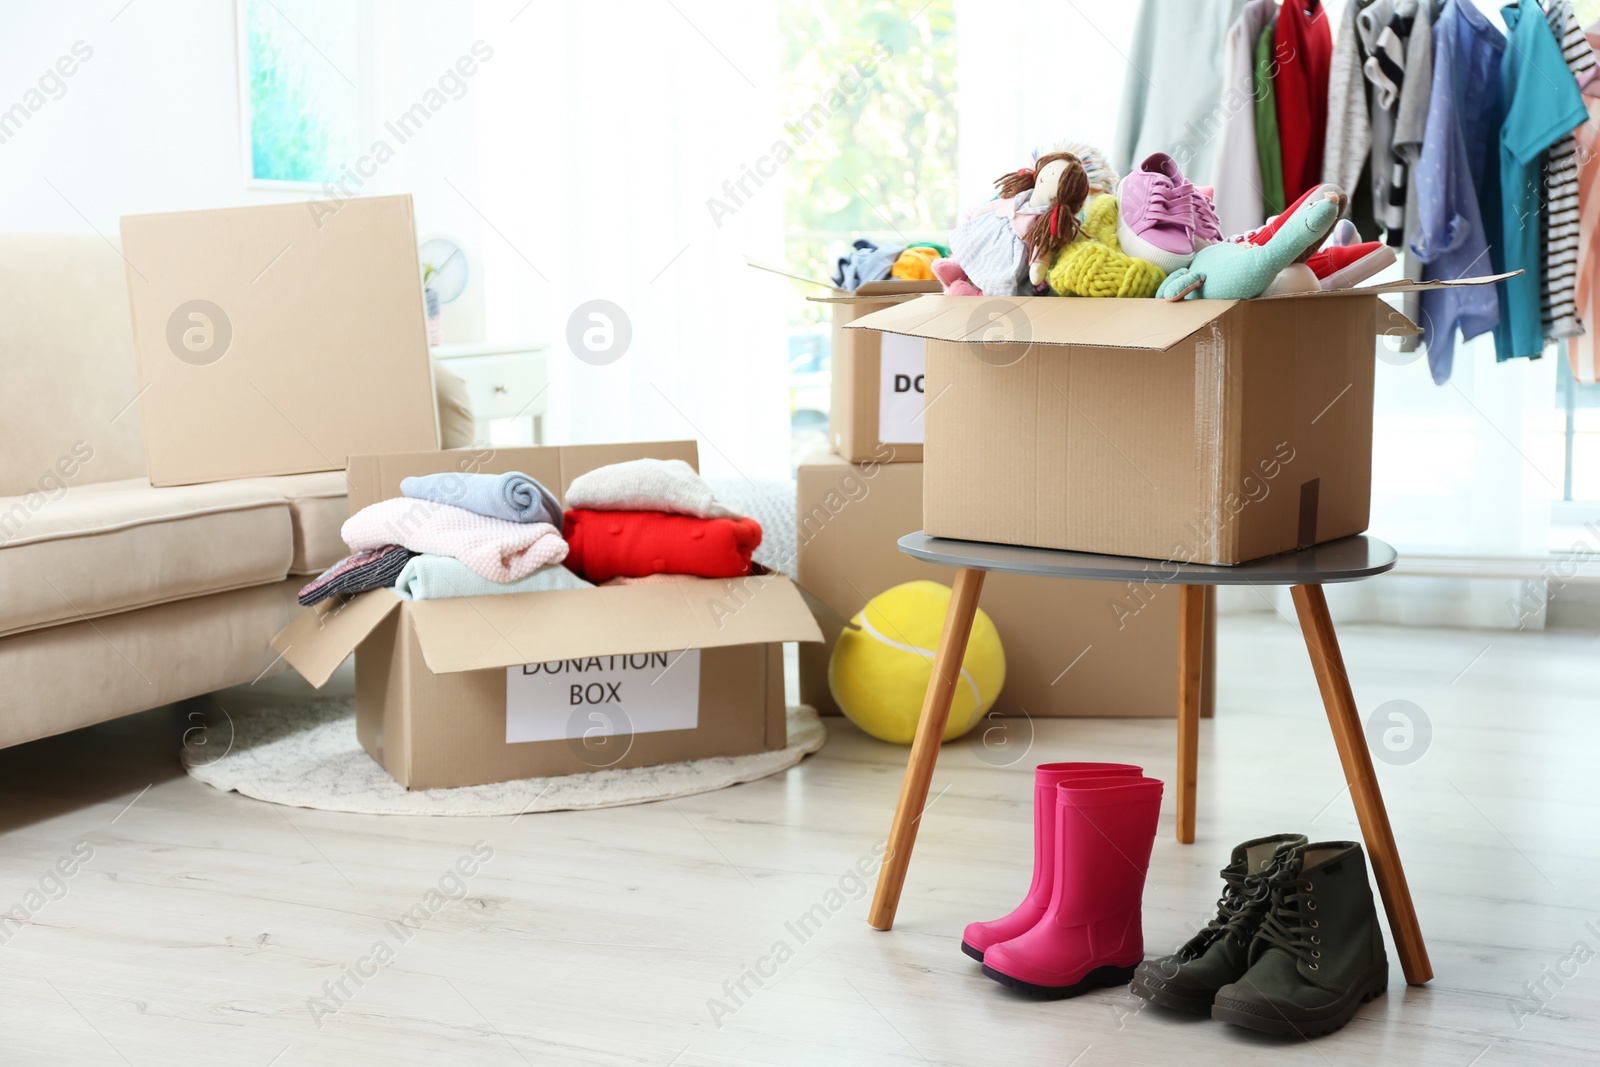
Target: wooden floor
{"x": 209, "y": 929}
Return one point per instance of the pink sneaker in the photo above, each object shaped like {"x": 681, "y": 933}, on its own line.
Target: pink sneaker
{"x": 1162, "y": 217}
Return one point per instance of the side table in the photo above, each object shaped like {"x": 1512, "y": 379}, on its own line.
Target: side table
{"x": 1305, "y": 572}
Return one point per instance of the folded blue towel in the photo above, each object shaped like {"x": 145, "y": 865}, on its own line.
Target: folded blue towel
{"x": 512, "y": 496}
{"x": 431, "y": 577}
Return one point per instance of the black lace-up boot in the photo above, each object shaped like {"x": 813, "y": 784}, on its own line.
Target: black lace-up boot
{"x": 1318, "y": 955}
{"x": 1188, "y": 979}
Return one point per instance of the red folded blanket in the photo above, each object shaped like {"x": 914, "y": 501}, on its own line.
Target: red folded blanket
{"x": 602, "y": 545}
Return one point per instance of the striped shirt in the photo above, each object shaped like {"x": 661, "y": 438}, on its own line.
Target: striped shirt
{"x": 1559, "y": 220}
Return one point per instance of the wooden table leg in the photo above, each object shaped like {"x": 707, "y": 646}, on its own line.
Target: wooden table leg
{"x": 1191, "y": 642}
{"x": 1340, "y": 703}
{"x": 1208, "y": 690}
{"x": 925, "y": 746}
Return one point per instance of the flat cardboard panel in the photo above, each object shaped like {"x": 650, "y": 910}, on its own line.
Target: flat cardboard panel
{"x": 475, "y": 633}
{"x": 1072, "y": 648}
{"x": 371, "y": 478}
{"x": 311, "y": 343}
{"x": 456, "y": 724}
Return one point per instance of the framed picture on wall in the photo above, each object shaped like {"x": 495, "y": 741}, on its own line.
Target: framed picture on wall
{"x": 299, "y": 89}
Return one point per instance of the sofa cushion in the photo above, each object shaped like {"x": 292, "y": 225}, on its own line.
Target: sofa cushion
{"x": 63, "y": 677}
{"x": 112, "y": 546}
{"x": 317, "y": 508}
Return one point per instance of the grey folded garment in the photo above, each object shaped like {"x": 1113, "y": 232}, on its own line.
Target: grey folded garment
{"x": 512, "y": 496}
{"x": 432, "y": 577}
{"x": 373, "y": 568}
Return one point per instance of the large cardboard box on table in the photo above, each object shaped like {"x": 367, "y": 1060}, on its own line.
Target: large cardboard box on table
{"x": 278, "y": 339}
{"x": 486, "y": 689}
{"x": 1072, "y": 648}
{"x": 1203, "y": 431}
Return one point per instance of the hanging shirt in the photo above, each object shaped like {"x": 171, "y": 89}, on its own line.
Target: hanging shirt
{"x": 1558, "y": 236}
{"x": 1451, "y": 240}
{"x": 1349, "y": 140}
{"x": 1305, "y": 54}
{"x": 1581, "y": 350}
{"x": 1269, "y": 150}
{"x": 1239, "y": 199}
{"x": 1174, "y": 79}
{"x": 1543, "y": 106}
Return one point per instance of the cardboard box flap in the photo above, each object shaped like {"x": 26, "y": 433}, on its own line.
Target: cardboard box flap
{"x": 852, "y": 298}
{"x": 886, "y": 287}
{"x": 1051, "y": 320}
{"x": 318, "y": 639}
{"x": 480, "y": 633}
{"x": 1393, "y": 323}
{"x": 1401, "y": 286}
{"x": 894, "y": 286}
{"x": 369, "y": 479}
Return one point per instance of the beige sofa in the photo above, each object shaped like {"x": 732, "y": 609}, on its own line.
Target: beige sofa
{"x": 116, "y": 596}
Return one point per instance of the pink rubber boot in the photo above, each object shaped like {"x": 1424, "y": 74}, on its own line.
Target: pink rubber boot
{"x": 1092, "y": 934}
{"x": 979, "y": 936}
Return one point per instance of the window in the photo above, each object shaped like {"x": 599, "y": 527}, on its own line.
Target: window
{"x": 868, "y": 96}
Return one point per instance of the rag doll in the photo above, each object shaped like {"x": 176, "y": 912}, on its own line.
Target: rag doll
{"x": 1241, "y": 271}
{"x": 1007, "y": 245}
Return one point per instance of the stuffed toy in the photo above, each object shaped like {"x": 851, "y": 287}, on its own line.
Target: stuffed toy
{"x": 1242, "y": 271}
{"x": 1094, "y": 263}
{"x": 1006, "y": 246}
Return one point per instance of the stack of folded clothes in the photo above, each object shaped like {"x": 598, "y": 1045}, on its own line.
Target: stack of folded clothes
{"x": 649, "y": 518}
{"x": 453, "y": 535}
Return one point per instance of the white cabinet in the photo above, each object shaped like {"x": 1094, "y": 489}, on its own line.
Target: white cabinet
{"x": 508, "y": 385}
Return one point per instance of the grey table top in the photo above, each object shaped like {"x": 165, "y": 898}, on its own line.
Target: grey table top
{"x": 1349, "y": 559}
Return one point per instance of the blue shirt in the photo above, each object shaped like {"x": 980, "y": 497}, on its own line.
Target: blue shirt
{"x": 1543, "y": 105}
{"x": 1451, "y": 240}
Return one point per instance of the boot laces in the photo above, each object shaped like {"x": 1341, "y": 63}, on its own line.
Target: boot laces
{"x": 1290, "y": 924}
{"x": 1244, "y": 898}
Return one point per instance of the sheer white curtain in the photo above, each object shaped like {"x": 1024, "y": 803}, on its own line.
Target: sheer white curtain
{"x": 1463, "y": 475}
{"x": 604, "y": 131}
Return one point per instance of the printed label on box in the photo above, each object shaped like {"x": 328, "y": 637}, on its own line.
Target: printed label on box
{"x": 582, "y": 699}
{"x": 900, "y": 365}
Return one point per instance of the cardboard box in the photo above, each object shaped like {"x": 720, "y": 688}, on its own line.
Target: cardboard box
{"x": 875, "y": 409}
{"x": 875, "y": 403}
{"x": 486, "y": 689}
{"x": 1208, "y": 431}
{"x": 1072, "y": 648}
{"x": 278, "y": 339}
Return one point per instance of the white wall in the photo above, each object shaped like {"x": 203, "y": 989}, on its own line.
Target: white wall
{"x": 151, "y": 121}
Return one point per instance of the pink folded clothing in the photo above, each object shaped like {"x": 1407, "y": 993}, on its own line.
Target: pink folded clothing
{"x": 500, "y": 550}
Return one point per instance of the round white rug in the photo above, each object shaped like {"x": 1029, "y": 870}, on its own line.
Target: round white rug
{"x": 306, "y": 755}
